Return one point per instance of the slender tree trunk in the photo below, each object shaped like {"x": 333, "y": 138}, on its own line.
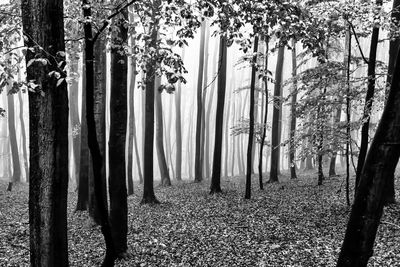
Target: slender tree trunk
{"x": 198, "y": 162}
{"x": 393, "y": 48}
{"x": 369, "y": 199}
{"x": 204, "y": 97}
{"x": 275, "y": 147}
{"x": 226, "y": 133}
{"x": 74, "y": 112}
{"x": 369, "y": 98}
{"x": 216, "y": 171}
{"x": 238, "y": 140}
{"x": 16, "y": 177}
{"x": 94, "y": 147}
{"x": 292, "y": 145}
{"x": 118, "y": 115}
{"x": 251, "y": 115}
{"x": 48, "y": 134}
{"x": 348, "y": 133}
{"x": 233, "y": 137}
{"x": 264, "y": 129}
{"x": 148, "y": 187}
{"x": 83, "y": 183}
{"x": 178, "y": 128}
{"x": 23, "y": 132}
{"x": 208, "y": 113}
{"x": 162, "y": 163}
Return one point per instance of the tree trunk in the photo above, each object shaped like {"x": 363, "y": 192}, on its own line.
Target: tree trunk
{"x": 292, "y": 145}
{"x": 74, "y": 112}
{"x": 275, "y": 146}
{"x": 48, "y": 134}
{"x": 264, "y": 131}
{"x": 249, "y": 167}
{"x": 118, "y": 120}
{"x": 393, "y": 48}
{"x": 369, "y": 98}
{"x": 178, "y": 128}
{"x": 369, "y": 199}
{"x": 93, "y": 144}
{"x": 148, "y": 176}
{"x": 233, "y": 137}
{"x": 162, "y": 163}
{"x": 198, "y": 161}
{"x": 226, "y": 131}
{"x": 23, "y": 132}
{"x": 216, "y": 171}
{"x": 207, "y": 120}
{"x": 83, "y": 182}
{"x": 100, "y": 71}
{"x": 204, "y": 97}
{"x": 16, "y": 177}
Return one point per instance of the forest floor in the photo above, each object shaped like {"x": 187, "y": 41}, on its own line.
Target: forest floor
{"x": 291, "y": 223}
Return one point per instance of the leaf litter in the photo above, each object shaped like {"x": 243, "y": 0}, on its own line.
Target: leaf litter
{"x": 292, "y": 223}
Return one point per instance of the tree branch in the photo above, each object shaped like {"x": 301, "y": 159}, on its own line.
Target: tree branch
{"x": 106, "y": 21}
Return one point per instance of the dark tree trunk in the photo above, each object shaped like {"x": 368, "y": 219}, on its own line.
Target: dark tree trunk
{"x": 292, "y": 145}
{"x": 369, "y": 199}
{"x": 100, "y": 71}
{"x": 369, "y": 98}
{"x": 393, "y": 48}
{"x": 83, "y": 180}
{"x": 94, "y": 147}
{"x": 118, "y": 119}
{"x": 216, "y": 171}
{"x": 275, "y": 146}
{"x": 148, "y": 176}
{"x": 251, "y": 126}
{"x": 264, "y": 131}
{"x": 198, "y": 161}
{"x": 48, "y": 134}
{"x": 162, "y": 163}
{"x": 16, "y": 177}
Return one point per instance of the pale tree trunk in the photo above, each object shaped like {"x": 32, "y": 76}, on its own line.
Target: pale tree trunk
{"x": 292, "y": 145}
{"x": 226, "y": 131}
{"x": 275, "y": 146}
{"x": 16, "y": 177}
{"x": 178, "y": 128}
{"x": 233, "y": 137}
{"x": 212, "y": 87}
{"x": 43, "y": 22}
{"x": 23, "y": 132}
{"x": 204, "y": 97}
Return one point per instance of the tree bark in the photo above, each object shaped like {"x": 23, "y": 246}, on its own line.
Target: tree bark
{"x": 118, "y": 120}
{"x": 275, "y": 146}
{"x": 48, "y": 134}
{"x": 216, "y": 171}
{"x": 369, "y": 98}
{"x": 198, "y": 162}
{"x": 93, "y": 144}
{"x": 369, "y": 199}
{"x": 264, "y": 130}
{"x": 148, "y": 176}
{"x": 162, "y": 163}
{"x": 83, "y": 180}
{"x": 249, "y": 166}
{"x": 292, "y": 145}
{"x": 393, "y": 48}
{"x": 178, "y": 128}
